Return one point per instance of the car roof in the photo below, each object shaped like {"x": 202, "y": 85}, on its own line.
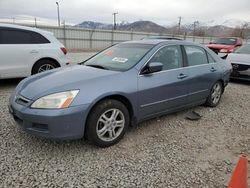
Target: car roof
{"x": 162, "y": 41}
{"x": 161, "y": 37}
{"x": 24, "y": 28}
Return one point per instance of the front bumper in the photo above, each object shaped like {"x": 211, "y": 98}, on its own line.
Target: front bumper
{"x": 240, "y": 71}
{"x": 64, "y": 124}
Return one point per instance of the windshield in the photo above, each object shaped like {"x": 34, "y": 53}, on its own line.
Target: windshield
{"x": 226, "y": 41}
{"x": 243, "y": 50}
{"x": 120, "y": 57}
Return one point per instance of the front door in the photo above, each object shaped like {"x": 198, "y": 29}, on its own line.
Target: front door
{"x": 165, "y": 90}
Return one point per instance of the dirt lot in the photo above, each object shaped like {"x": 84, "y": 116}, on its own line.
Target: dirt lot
{"x": 169, "y": 151}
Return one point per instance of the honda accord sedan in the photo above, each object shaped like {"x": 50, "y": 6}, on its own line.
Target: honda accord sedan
{"x": 120, "y": 86}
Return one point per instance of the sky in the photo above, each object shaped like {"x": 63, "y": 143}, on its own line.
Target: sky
{"x": 164, "y": 12}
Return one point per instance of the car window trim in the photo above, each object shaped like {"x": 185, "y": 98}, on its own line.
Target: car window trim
{"x": 166, "y": 45}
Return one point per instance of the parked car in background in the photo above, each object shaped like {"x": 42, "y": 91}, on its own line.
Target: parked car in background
{"x": 121, "y": 86}
{"x": 224, "y": 46}
{"x": 240, "y": 61}
{"x": 25, "y": 51}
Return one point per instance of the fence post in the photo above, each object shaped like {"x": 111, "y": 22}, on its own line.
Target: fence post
{"x": 64, "y": 35}
{"x": 112, "y": 37}
{"x": 91, "y": 38}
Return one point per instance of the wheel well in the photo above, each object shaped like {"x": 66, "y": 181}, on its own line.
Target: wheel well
{"x": 121, "y": 99}
{"x": 46, "y": 58}
{"x": 223, "y": 85}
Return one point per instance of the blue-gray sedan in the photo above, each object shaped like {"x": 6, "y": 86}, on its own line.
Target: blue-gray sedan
{"x": 120, "y": 86}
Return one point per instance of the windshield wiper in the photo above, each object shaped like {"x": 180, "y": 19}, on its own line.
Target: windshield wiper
{"x": 97, "y": 66}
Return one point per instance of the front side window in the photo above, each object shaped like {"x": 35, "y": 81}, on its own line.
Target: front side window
{"x": 120, "y": 57}
{"x": 169, "y": 56}
{"x": 196, "y": 55}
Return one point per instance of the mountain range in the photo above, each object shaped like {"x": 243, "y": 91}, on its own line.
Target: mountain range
{"x": 211, "y": 28}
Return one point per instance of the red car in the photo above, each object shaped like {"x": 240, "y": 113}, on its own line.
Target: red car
{"x": 224, "y": 46}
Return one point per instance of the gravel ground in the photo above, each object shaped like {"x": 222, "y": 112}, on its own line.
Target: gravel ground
{"x": 168, "y": 151}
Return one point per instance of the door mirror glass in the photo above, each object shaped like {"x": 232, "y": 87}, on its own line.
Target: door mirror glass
{"x": 152, "y": 67}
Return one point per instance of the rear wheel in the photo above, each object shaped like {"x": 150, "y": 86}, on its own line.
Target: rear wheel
{"x": 215, "y": 95}
{"x": 43, "y": 65}
{"x": 107, "y": 123}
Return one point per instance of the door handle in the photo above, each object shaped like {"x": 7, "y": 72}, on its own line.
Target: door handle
{"x": 181, "y": 76}
{"x": 212, "y": 69}
{"x": 33, "y": 51}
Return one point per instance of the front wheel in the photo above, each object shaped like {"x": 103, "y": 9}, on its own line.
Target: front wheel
{"x": 215, "y": 95}
{"x": 107, "y": 123}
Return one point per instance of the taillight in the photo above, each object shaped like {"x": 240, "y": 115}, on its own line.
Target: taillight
{"x": 64, "y": 50}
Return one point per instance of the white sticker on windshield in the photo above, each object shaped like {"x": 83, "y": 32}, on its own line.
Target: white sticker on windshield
{"x": 120, "y": 59}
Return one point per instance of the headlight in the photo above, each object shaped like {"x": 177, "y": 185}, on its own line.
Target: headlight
{"x": 56, "y": 100}
{"x": 224, "y": 50}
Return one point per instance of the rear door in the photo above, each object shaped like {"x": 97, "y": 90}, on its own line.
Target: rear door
{"x": 203, "y": 73}
{"x": 165, "y": 90}
{"x": 17, "y": 52}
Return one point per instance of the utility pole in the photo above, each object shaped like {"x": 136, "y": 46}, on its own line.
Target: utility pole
{"x": 195, "y": 23}
{"x": 13, "y": 19}
{"x": 179, "y": 25}
{"x": 114, "y": 14}
{"x": 35, "y": 22}
{"x": 58, "y": 14}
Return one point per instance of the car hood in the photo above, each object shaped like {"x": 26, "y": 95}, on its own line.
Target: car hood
{"x": 220, "y": 46}
{"x": 239, "y": 58}
{"x": 61, "y": 79}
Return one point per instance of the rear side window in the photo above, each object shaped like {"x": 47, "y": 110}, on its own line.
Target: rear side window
{"x": 18, "y": 36}
{"x": 196, "y": 55}
{"x": 210, "y": 58}
{"x": 169, "y": 56}
{"x": 37, "y": 38}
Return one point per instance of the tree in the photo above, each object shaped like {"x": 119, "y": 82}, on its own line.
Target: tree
{"x": 241, "y": 31}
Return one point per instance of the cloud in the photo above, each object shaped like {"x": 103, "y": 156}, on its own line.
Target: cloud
{"x": 159, "y": 11}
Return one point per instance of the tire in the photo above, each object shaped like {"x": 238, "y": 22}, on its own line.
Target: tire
{"x": 101, "y": 129}
{"x": 215, "y": 95}
{"x": 43, "y": 65}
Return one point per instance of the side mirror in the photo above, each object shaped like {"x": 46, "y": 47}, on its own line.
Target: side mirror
{"x": 152, "y": 67}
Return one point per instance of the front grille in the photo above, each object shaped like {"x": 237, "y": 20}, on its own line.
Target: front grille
{"x": 40, "y": 127}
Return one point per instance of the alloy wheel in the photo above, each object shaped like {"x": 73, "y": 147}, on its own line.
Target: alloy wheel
{"x": 45, "y": 67}
{"x": 216, "y": 93}
{"x": 110, "y": 125}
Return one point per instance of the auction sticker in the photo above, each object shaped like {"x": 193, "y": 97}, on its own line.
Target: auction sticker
{"x": 120, "y": 59}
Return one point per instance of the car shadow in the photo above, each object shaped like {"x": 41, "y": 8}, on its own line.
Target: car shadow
{"x": 242, "y": 82}
{"x": 10, "y": 82}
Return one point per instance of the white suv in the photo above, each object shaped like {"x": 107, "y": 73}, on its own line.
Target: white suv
{"x": 25, "y": 51}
